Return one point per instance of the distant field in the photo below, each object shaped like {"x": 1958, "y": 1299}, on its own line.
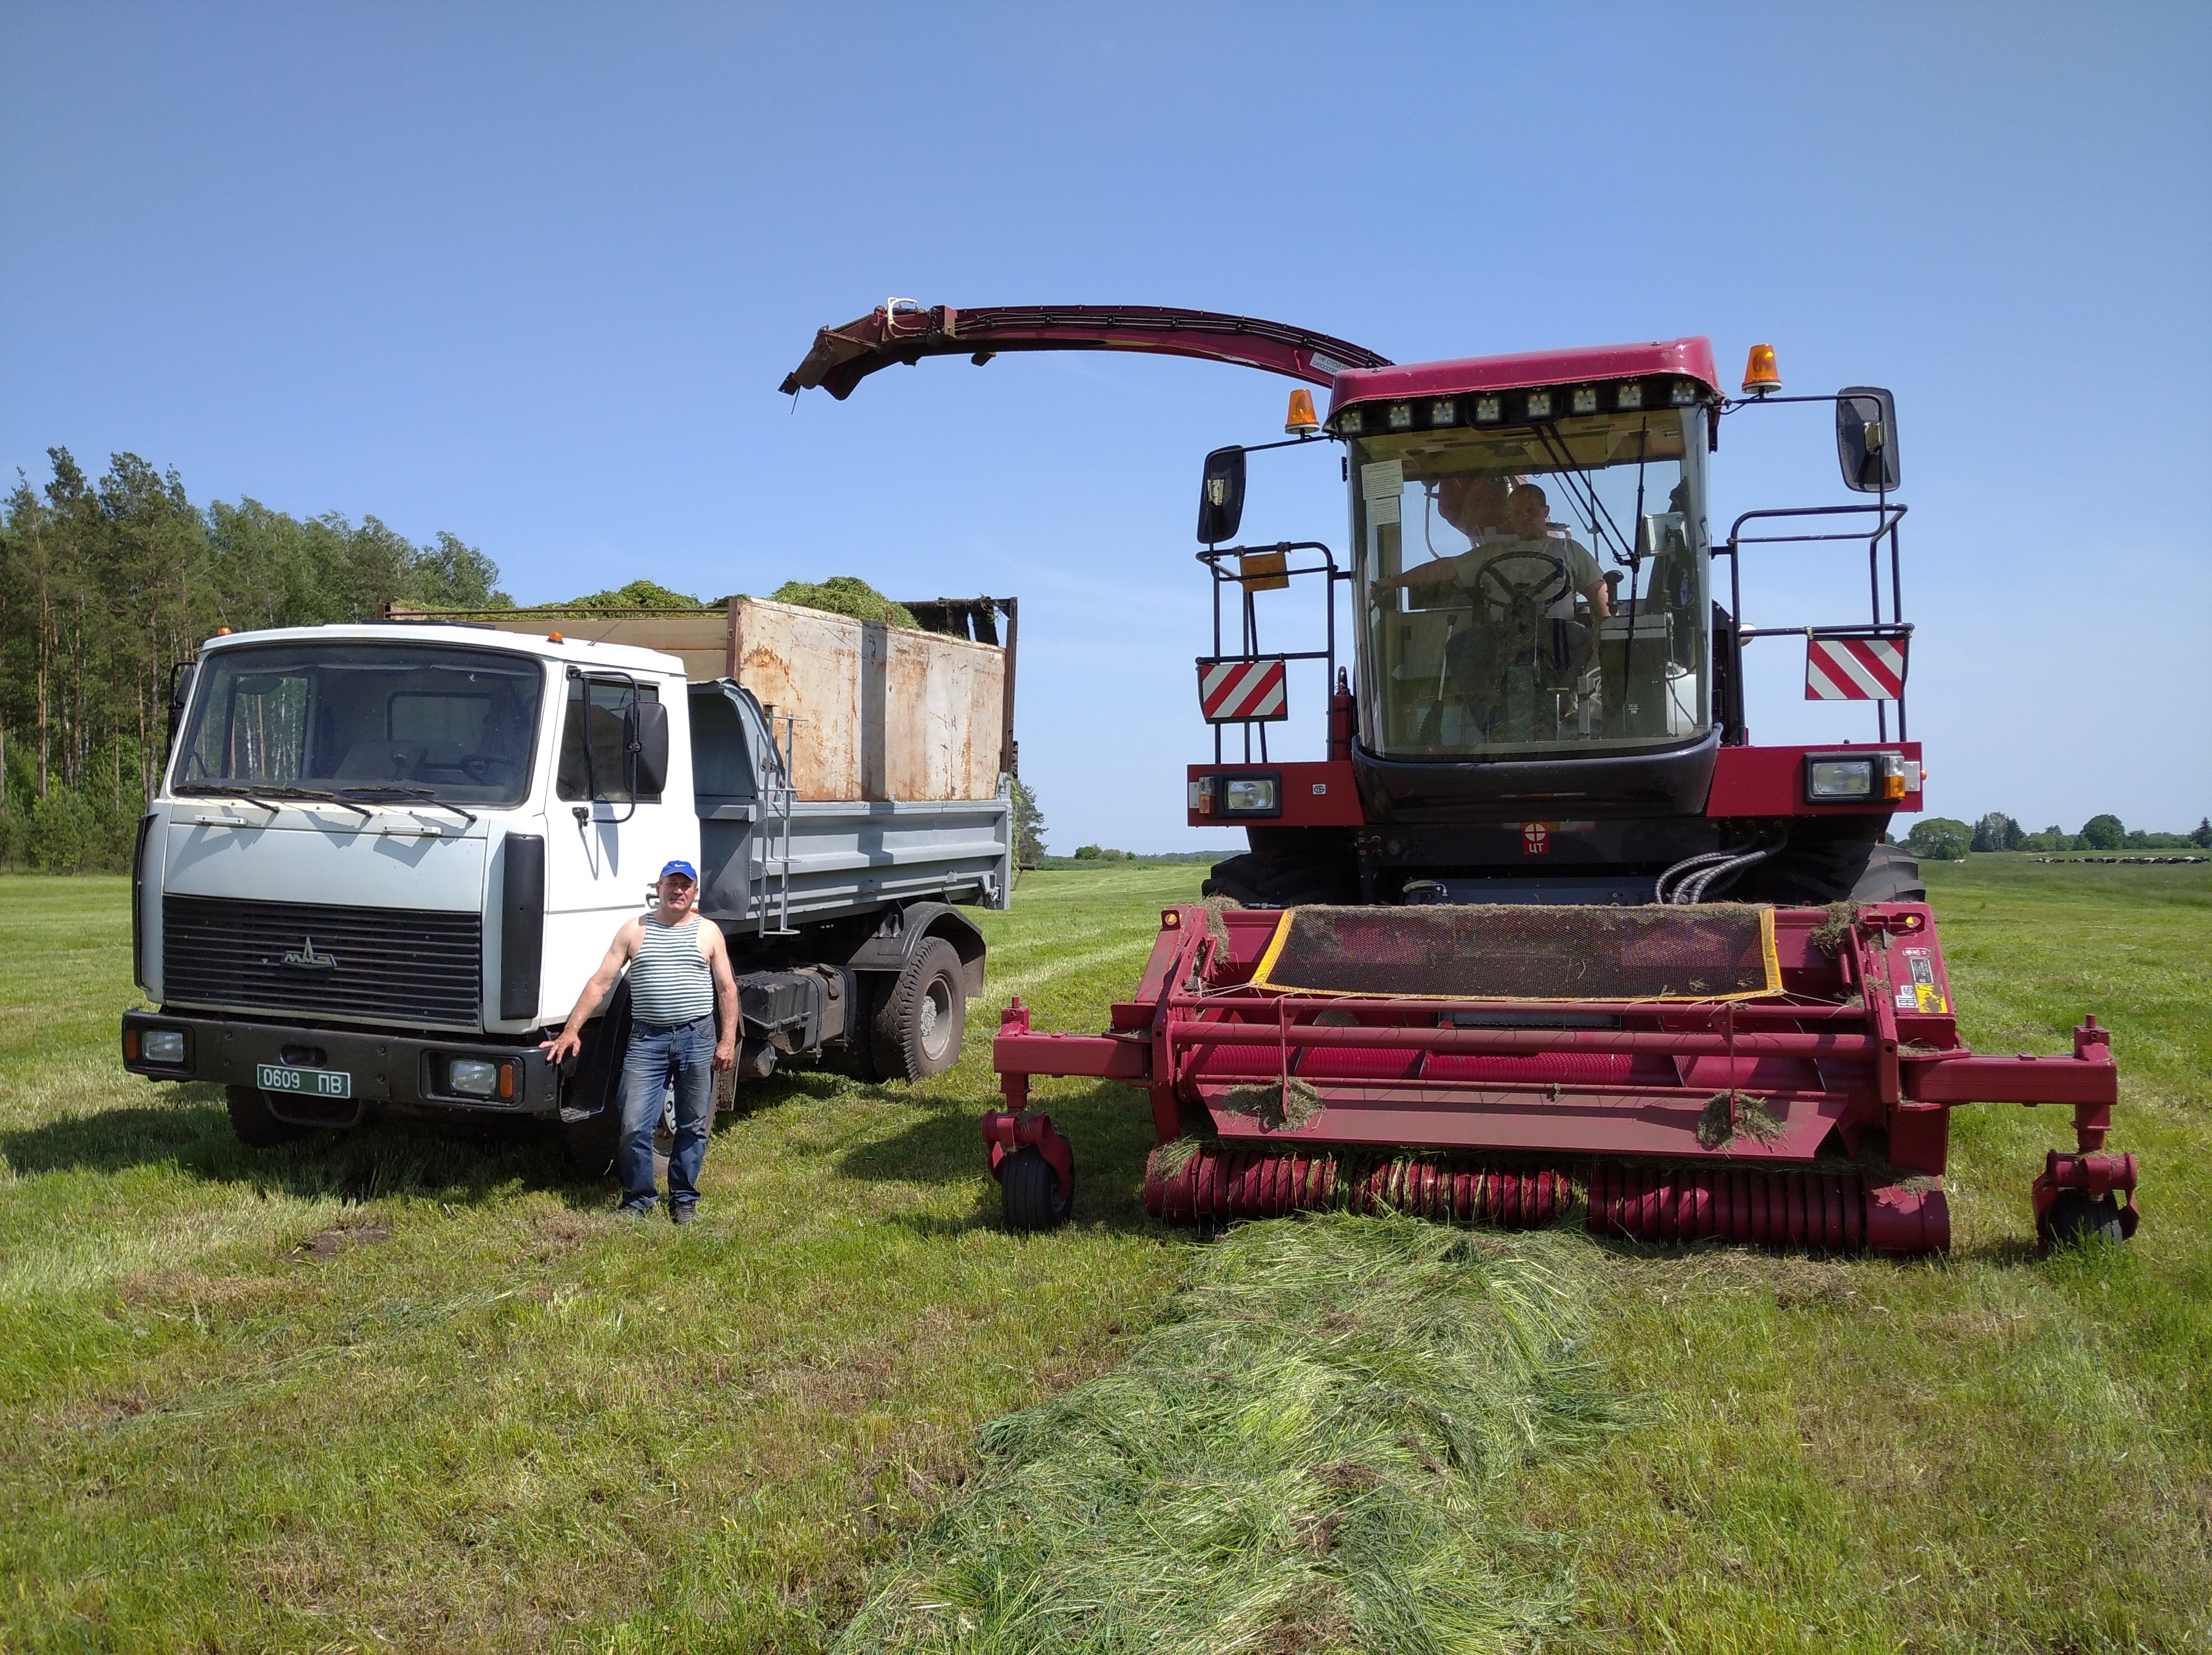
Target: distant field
{"x": 421, "y": 1392}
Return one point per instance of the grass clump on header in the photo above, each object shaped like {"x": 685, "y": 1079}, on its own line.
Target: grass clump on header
{"x": 845, "y": 594}
{"x": 1307, "y": 1454}
{"x": 638, "y": 594}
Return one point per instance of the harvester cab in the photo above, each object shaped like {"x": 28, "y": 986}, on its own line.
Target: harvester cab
{"x": 1542, "y": 926}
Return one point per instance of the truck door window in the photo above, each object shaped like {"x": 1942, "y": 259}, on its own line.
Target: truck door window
{"x": 1534, "y": 591}
{"x": 592, "y": 764}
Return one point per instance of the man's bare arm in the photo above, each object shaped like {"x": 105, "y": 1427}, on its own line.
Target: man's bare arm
{"x": 726, "y": 994}
{"x": 570, "y": 1040}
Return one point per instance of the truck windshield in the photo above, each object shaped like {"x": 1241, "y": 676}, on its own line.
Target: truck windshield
{"x": 1534, "y": 591}
{"x": 364, "y": 721}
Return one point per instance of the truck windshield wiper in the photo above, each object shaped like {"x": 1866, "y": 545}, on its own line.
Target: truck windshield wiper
{"x": 401, "y": 790}
{"x": 260, "y": 795}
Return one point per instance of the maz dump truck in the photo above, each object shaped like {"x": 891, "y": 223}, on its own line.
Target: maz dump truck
{"x": 386, "y": 858}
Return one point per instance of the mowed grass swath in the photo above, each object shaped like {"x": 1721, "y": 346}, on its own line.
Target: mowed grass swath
{"x": 423, "y": 1392}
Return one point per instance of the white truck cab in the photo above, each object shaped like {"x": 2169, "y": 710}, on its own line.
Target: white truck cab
{"x": 385, "y": 859}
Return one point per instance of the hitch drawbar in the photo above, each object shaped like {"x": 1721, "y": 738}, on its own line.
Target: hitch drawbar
{"x": 1778, "y": 1077}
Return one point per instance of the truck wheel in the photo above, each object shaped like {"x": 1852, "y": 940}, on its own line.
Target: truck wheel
{"x": 2076, "y": 1216}
{"x": 1029, "y": 1193}
{"x": 251, "y": 1120}
{"x": 920, "y": 1021}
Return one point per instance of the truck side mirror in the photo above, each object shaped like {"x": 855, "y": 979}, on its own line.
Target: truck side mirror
{"x": 180, "y": 693}
{"x": 1221, "y": 497}
{"x": 645, "y": 746}
{"x": 1866, "y": 438}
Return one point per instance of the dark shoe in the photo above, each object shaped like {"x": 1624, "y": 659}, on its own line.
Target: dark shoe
{"x": 683, "y": 1211}
{"x": 626, "y": 1210}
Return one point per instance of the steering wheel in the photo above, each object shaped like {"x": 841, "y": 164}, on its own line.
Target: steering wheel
{"x": 1543, "y": 587}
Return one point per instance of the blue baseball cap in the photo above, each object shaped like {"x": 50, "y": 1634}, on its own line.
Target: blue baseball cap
{"x": 683, "y": 867}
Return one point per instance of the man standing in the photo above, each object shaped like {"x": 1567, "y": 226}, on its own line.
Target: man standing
{"x": 679, "y": 978}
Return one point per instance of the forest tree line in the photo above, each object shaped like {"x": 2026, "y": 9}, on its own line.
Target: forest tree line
{"x": 107, "y": 584}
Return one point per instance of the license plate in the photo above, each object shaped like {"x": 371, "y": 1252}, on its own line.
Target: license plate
{"x": 310, "y": 1083}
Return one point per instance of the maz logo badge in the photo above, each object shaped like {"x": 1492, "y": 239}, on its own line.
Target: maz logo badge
{"x": 306, "y": 960}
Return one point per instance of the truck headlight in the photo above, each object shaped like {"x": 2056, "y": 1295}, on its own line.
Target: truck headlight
{"x": 1833, "y": 779}
{"x": 162, "y": 1046}
{"x": 1251, "y": 793}
{"x": 473, "y": 1077}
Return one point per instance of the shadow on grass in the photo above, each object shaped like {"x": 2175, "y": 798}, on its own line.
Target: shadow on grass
{"x": 1109, "y": 1127}
{"x": 465, "y": 1162}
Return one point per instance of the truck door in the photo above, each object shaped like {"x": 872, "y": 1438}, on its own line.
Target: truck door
{"x": 606, "y": 842}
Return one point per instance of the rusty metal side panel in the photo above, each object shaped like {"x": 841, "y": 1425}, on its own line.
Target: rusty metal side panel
{"x": 942, "y": 723}
{"x": 807, "y": 664}
{"x": 884, "y": 712}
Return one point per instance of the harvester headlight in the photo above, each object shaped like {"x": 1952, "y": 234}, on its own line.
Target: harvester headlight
{"x": 473, "y": 1077}
{"x": 1488, "y": 411}
{"x": 1251, "y": 795}
{"x": 1444, "y": 411}
{"x": 1833, "y": 781}
{"x": 1631, "y": 398}
{"x": 1585, "y": 400}
{"x": 1400, "y": 416}
{"x": 1685, "y": 392}
{"x": 162, "y": 1046}
{"x": 1540, "y": 405}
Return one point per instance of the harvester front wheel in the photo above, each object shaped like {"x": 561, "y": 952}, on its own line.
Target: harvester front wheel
{"x": 922, "y": 1019}
{"x": 2075, "y": 1215}
{"x": 1258, "y": 879}
{"x": 1029, "y": 1192}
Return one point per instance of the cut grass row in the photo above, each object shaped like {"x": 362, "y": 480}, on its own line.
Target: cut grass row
{"x": 419, "y": 1391}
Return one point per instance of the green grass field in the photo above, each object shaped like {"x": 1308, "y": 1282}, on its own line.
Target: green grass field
{"x": 417, "y": 1390}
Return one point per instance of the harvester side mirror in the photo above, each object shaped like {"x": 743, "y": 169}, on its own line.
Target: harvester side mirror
{"x": 644, "y": 744}
{"x": 1221, "y": 497}
{"x": 1866, "y": 438}
{"x": 1659, "y": 532}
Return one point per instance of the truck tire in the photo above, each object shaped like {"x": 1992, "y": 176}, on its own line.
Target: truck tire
{"x": 250, "y": 1118}
{"x": 922, "y": 1016}
{"x": 1264, "y": 880}
{"x": 1029, "y": 1192}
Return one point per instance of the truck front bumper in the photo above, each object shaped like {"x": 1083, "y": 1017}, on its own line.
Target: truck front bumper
{"x": 385, "y": 1069}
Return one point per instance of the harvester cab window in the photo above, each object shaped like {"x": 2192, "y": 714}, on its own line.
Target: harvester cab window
{"x": 1535, "y": 591}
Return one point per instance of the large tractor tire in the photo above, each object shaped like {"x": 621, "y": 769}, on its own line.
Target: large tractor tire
{"x": 1259, "y": 878}
{"x": 922, "y": 1016}
{"x": 251, "y": 1119}
{"x": 1837, "y": 870}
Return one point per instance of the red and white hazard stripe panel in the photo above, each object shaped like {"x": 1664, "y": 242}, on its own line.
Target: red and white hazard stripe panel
{"x": 1243, "y": 692}
{"x": 1854, "y": 669}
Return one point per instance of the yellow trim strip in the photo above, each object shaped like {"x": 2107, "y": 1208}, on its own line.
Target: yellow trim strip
{"x": 1274, "y": 950}
{"x": 1262, "y": 978}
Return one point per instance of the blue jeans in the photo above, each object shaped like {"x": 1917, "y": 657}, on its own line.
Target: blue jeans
{"x": 687, "y": 1051}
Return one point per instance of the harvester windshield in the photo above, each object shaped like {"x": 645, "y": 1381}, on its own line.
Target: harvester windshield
{"x": 1535, "y": 590}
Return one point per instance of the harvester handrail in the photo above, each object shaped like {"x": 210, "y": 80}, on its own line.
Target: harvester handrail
{"x": 1888, "y": 514}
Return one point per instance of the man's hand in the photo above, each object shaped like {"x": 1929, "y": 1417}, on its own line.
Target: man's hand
{"x": 726, "y": 1052}
{"x": 562, "y": 1046}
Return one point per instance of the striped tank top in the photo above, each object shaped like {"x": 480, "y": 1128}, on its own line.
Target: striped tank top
{"x": 669, "y": 979}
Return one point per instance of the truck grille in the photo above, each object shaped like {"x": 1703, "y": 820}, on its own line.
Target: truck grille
{"x": 395, "y": 965}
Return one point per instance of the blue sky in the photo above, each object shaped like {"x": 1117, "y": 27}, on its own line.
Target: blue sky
{"x": 532, "y": 273}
